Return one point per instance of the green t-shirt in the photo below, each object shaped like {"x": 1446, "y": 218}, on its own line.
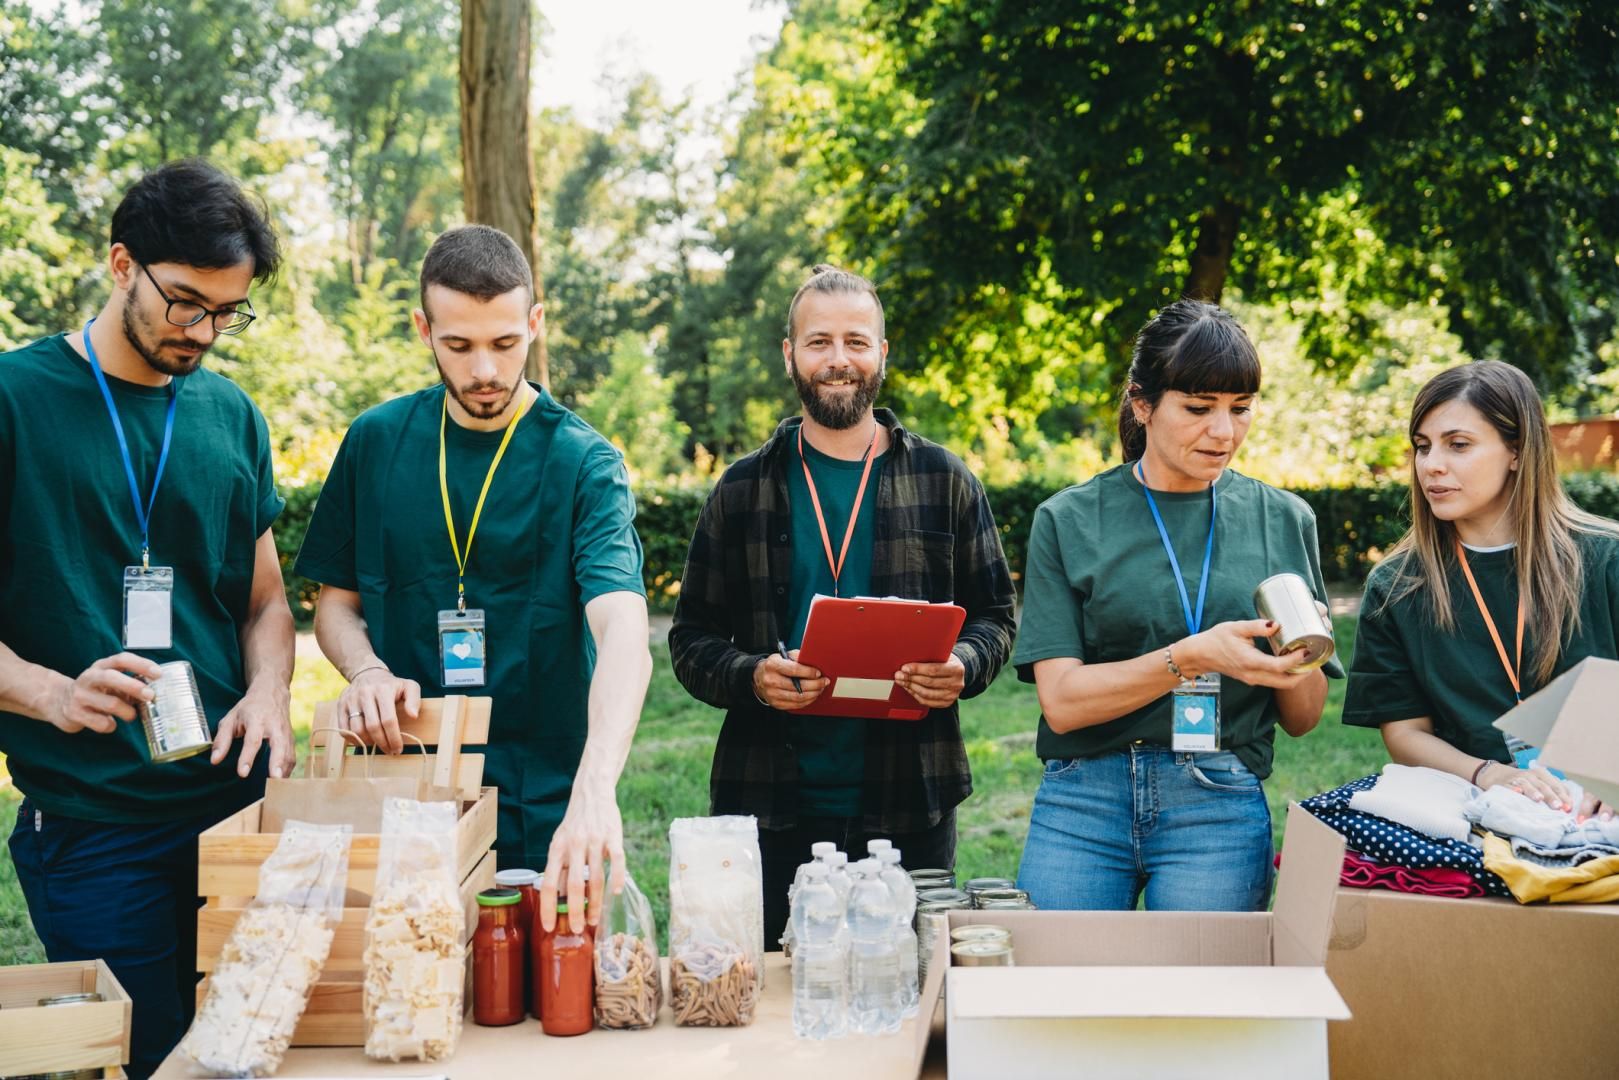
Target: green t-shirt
{"x": 70, "y": 530}
{"x": 557, "y": 531}
{"x": 831, "y": 749}
{"x": 1098, "y": 587}
{"x": 1406, "y": 667}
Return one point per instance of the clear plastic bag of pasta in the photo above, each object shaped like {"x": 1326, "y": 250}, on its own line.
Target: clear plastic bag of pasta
{"x": 415, "y": 951}
{"x": 629, "y": 978}
{"x": 716, "y": 921}
{"x": 273, "y": 957}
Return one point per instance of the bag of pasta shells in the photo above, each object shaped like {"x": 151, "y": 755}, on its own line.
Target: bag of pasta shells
{"x": 716, "y": 921}
{"x": 629, "y": 979}
{"x": 273, "y": 957}
{"x": 415, "y": 949}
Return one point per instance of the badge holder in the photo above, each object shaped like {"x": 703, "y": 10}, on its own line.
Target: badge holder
{"x": 1197, "y": 715}
{"x": 148, "y": 607}
{"x": 461, "y": 647}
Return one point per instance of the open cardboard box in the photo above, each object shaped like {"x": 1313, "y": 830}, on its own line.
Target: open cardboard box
{"x": 1138, "y": 994}
{"x": 1490, "y": 987}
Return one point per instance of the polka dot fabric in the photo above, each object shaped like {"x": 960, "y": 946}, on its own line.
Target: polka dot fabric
{"x": 1391, "y": 844}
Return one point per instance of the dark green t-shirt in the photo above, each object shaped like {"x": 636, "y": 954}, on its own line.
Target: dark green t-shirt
{"x": 831, "y": 749}
{"x": 557, "y": 531}
{"x": 1406, "y": 667}
{"x": 70, "y": 530}
{"x": 1098, "y": 587}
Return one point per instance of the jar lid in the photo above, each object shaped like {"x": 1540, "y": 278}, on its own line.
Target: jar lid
{"x": 70, "y": 999}
{"x": 516, "y": 879}
{"x": 499, "y": 897}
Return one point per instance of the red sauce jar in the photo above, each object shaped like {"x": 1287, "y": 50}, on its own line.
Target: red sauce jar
{"x": 527, "y": 882}
{"x": 566, "y": 976}
{"x": 497, "y": 959}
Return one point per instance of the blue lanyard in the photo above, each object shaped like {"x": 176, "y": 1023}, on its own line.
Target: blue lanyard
{"x": 143, "y": 514}
{"x": 1194, "y": 623}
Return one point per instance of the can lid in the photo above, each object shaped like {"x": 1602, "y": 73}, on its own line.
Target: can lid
{"x": 516, "y": 879}
{"x": 70, "y": 999}
{"x": 499, "y": 897}
{"x": 981, "y": 948}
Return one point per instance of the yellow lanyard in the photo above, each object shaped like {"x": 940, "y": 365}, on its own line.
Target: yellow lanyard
{"x": 444, "y": 490}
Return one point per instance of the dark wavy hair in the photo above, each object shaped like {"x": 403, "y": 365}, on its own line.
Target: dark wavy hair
{"x": 192, "y": 213}
{"x": 1190, "y": 346}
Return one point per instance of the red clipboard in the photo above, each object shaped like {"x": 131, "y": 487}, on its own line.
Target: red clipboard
{"x": 859, "y": 642}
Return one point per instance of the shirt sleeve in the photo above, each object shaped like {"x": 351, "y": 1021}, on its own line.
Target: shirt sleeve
{"x": 327, "y": 554}
{"x": 606, "y": 548}
{"x": 1053, "y": 623}
{"x": 270, "y": 502}
{"x": 1384, "y": 684}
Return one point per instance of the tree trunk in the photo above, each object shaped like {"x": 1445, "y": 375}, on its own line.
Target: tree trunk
{"x": 1211, "y": 261}
{"x": 497, "y": 169}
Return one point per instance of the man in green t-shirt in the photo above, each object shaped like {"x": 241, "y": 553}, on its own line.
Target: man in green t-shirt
{"x": 477, "y": 537}
{"x": 123, "y": 461}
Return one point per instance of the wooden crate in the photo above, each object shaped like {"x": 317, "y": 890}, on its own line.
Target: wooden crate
{"x": 231, "y": 853}
{"x": 33, "y": 1039}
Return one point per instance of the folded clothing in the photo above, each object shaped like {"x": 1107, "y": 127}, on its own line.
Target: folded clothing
{"x": 1559, "y": 856}
{"x": 1362, "y": 873}
{"x": 1427, "y": 800}
{"x": 1388, "y": 843}
{"x": 1509, "y": 813}
{"x": 1595, "y": 881}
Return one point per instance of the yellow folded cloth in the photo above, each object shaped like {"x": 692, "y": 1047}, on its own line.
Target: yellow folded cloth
{"x": 1593, "y": 882}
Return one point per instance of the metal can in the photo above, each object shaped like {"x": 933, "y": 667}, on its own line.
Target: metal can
{"x": 69, "y": 999}
{"x": 980, "y": 932}
{"x": 981, "y": 954}
{"x": 176, "y": 727}
{"x": 979, "y": 884}
{"x": 1286, "y": 600}
{"x": 943, "y": 896}
{"x": 999, "y": 895}
{"x": 933, "y": 879}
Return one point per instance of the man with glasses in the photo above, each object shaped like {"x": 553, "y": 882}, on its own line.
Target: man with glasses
{"x": 136, "y": 500}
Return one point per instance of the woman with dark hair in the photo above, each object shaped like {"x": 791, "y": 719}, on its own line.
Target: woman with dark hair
{"x": 1501, "y": 584}
{"x": 1159, "y": 703}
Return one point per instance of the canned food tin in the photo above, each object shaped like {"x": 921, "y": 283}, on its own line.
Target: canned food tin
{"x": 933, "y": 879}
{"x": 979, "y": 884}
{"x": 175, "y": 724}
{"x": 981, "y": 954}
{"x": 986, "y": 897}
{"x": 69, "y": 999}
{"x": 942, "y": 896}
{"x": 980, "y": 932}
{"x": 1286, "y": 600}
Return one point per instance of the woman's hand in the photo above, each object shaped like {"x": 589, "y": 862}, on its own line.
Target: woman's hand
{"x": 1534, "y": 782}
{"x": 1228, "y": 648}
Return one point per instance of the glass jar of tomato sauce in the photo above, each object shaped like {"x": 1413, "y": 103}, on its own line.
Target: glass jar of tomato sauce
{"x": 497, "y": 959}
{"x": 526, "y": 882}
{"x": 565, "y": 976}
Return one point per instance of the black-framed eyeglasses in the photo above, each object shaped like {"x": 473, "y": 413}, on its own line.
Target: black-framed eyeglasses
{"x": 231, "y": 320}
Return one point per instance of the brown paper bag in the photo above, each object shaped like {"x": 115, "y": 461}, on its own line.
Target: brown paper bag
{"x": 346, "y": 799}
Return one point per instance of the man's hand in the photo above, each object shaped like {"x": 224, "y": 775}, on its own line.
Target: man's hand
{"x": 371, "y": 704}
{"x": 935, "y": 685}
{"x": 591, "y": 834}
{"x": 104, "y": 693}
{"x": 773, "y": 682}
{"x": 264, "y": 715}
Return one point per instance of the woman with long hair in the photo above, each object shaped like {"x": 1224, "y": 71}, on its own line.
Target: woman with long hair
{"x": 1160, "y": 699}
{"x": 1501, "y": 584}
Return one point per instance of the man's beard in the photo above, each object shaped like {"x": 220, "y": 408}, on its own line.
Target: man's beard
{"x": 155, "y": 359}
{"x": 476, "y": 409}
{"x": 839, "y": 412}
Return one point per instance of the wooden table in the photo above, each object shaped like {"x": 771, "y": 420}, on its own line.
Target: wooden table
{"x": 767, "y": 1047}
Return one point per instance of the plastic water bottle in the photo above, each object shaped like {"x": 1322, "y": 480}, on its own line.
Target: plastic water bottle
{"x": 820, "y": 963}
{"x": 837, "y": 873}
{"x": 875, "y": 848}
{"x": 904, "y": 892}
{"x": 818, "y": 853}
{"x": 876, "y": 1002}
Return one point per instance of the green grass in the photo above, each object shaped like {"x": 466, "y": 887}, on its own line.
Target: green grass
{"x": 667, "y": 777}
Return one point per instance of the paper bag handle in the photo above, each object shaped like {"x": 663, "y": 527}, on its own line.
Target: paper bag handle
{"x": 335, "y": 748}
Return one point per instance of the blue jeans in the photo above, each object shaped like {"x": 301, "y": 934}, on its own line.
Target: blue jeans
{"x": 1192, "y": 831}
{"x": 126, "y": 894}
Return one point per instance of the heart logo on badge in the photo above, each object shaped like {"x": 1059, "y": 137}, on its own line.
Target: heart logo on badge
{"x": 1193, "y": 715}
{"x": 461, "y": 650}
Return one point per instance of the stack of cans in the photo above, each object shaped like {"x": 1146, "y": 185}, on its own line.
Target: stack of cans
{"x": 981, "y": 945}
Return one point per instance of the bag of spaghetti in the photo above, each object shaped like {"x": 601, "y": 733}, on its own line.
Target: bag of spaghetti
{"x": 716, "y": 921}
{"x": 273, "y": 957}
{"x": 415, "y": 948}
{"x": 629, "y": 979}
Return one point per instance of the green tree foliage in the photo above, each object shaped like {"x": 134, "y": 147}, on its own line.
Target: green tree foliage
{"x": 37, "y": 263}
{"x": 631, "y": 406}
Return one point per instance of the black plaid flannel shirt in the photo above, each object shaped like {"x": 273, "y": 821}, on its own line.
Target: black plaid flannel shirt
{"x": 935, "y": 540}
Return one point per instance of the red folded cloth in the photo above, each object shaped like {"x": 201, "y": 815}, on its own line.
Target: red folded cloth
{"x": 1360, "y": 873}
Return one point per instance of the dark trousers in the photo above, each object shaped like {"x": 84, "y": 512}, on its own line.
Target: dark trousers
{"x": 126, "y": 894}
{"x": 783, "y": 850}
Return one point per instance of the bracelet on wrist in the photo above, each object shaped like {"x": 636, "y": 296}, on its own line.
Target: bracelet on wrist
{"x": 1478, "y": 772}
{"x": 1169, "y": 662}
{"x": 368, "y": 667}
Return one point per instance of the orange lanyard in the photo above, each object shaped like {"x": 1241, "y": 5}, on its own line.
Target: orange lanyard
{"x": 1512, "y": 669}
{"x": 836, "y": 566}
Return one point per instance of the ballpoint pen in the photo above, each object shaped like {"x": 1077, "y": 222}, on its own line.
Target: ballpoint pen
{"x": 798, "y": 687}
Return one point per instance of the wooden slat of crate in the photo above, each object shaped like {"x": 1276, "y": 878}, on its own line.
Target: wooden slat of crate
{"x": 88, "y": 1036}
{"x": 469, "y": 768}
{"x": 348, "y": 942}
{"x": 230, "y": 853}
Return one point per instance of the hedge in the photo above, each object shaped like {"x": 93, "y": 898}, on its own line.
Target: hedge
{"x": 1357, "y": 525}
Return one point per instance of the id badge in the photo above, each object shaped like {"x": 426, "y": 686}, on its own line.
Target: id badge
{"x": 148, "y": 607}
{"x": 461, "y": 647}
{"x": 1197, "y": 715}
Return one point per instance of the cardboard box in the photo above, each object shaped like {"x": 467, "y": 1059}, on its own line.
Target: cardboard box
{"x": 36, "y": 1039}
{"x": 1486, "y": 987}
{"x": 1149, "y": 994}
